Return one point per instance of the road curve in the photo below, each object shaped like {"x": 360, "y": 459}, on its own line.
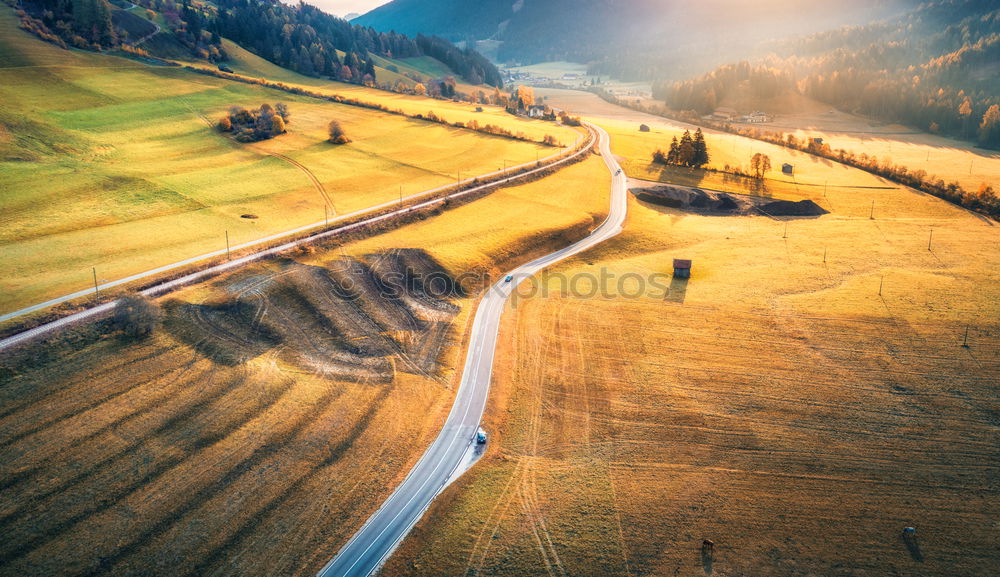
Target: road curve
{"x": 375, "y": 541}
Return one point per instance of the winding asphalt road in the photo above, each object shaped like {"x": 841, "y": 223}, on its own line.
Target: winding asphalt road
{"x": 375, "y": 541}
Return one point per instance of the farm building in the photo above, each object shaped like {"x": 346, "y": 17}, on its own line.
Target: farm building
{"x": 755, "y": 117}
{"x": 536, "y": 111}
{"x": 724, "y": 113}
{"x": 682, "y": 268}
{"x": 786, "y": 168}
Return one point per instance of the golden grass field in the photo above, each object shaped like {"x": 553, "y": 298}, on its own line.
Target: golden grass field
{"x": 949, "y": 159}
{"x": 257, "y": 429}
{"x": 775, "y": 403}
{"x": 813, "y": 178}
{"x": 111, "y": 164}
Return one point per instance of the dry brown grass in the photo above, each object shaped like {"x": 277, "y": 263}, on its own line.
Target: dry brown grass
{"x": 179, "y": 456}
{"x": 775, "y": 403}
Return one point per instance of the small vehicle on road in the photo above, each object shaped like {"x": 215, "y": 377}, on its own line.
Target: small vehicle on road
{"x": 509, "y": 278}
{"x": 481, "y": 437}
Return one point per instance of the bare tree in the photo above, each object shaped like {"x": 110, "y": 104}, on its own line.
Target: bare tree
{"x": 760, "y": 164}
{"x": 136, "y": 316}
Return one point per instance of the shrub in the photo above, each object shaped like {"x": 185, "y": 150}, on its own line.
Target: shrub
{"x": 136, "y": 316}
{"x": 337, "y": 135}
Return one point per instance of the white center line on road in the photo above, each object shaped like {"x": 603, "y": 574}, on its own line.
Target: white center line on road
{"x": 368, "y": 549}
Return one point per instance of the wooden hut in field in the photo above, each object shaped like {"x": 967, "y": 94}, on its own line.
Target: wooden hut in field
{"x": 682, "y": 268}
{"x": 786, "y": 168}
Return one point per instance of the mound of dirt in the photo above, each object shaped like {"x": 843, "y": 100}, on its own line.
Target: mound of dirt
{"x": 723, "y": 203}
{"x": 791, "y": 208}
{"x": 695, "y": 199}
{"x": 349, "y": 320}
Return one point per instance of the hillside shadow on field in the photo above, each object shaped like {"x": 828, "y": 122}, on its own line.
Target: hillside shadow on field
{"x": 355, "y": 320}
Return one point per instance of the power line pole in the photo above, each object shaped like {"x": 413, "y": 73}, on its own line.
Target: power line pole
{"x": 872, "y": 215}
{"x": 97, "y": 292}
{"x": 227, "y": 245}
{"x": 930, "y": 239}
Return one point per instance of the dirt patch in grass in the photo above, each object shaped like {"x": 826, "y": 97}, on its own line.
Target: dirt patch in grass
{"x": 342, "y": 320}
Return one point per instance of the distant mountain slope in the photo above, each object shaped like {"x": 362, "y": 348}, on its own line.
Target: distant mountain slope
{"x": 591, "y": 30}
{"x": 935, "y": 67}
{"x": 452, "y": 19}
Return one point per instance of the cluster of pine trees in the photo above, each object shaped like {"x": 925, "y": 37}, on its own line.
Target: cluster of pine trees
{"x": 689, "y": 151}
{"x": 255, "y": 124}
{"x": 80, "y": 23}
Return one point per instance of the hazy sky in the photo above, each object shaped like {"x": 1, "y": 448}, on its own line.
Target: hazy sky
{"x": 344, "y": 7}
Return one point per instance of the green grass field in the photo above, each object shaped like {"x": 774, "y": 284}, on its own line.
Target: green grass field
{"x": 248, "y": 64}
{"x": 108, "y": 163}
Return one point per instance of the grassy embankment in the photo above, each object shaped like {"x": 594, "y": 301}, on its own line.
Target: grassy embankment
{"x": 268, "y": 418}
{"x": 111, "y": 164}
{"x": 776, "y": 403}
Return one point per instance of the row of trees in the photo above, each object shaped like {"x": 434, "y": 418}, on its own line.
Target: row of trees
{"x": 255, "y": 124}
{"x": 691, "y": 151}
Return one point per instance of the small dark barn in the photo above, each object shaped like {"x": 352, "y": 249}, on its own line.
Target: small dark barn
{"x": 786, "y": 168}
{"x": 682, "y": 268}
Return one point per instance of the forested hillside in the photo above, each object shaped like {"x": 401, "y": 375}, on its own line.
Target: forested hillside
{"x": 298, "y": 37}
{"x": 936, "y": 68}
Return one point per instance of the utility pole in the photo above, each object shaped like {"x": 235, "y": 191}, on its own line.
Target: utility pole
{"x": 880, "y": 283}
{"x": 401, "y": 195}
{"x": 97, "y": 292}
{"x": 326, "y": 214}
{"x": 965, "y": 341}
{"x": 227, "y": 245}
{"x": 824, "y": 255}
{"x": 930, "y": 239}
{"x": 872, "y": 215}
{"x": 786, "y": 231}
